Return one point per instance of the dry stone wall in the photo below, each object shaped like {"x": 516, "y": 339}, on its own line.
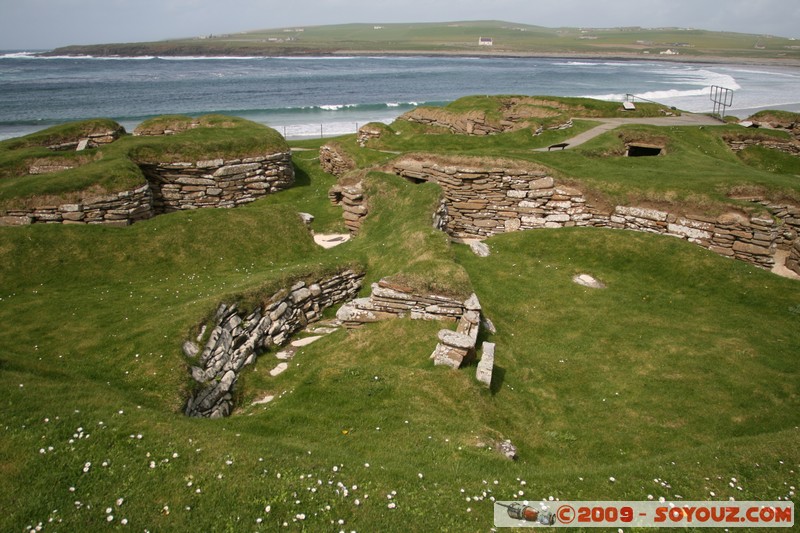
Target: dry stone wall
{"x": 392, "y": 300}
{"x": 118, "y": 209}
{"x": 171, "y": 187}
{"x": 237, "y": 338}
{"x": 368, "y": 132}
{"x": 481, "y": 202}
{"x": 92, "y": 140}
{"x": 334, "y": 160}
{"x": 787, "y": 147}
{"x": 217, "y": 182}
{"x": 793, "y": 261}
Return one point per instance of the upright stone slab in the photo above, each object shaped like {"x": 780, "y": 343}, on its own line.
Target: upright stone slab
{"x": 486, "y": 364}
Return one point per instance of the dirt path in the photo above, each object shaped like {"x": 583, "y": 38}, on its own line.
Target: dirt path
{"x": 608, "y": 124}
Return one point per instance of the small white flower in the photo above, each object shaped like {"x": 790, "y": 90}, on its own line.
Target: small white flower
{"x": 109, "y": 510}
{"x": 124, "y": 521}
{"x": 392, "y": 505}
{"x": 268, "y": 508}
{"x": 357, "y": 502}
{"x": 110, "y": 518}
{"x": 420, "y": 475}
{"x": 612, "y": 479}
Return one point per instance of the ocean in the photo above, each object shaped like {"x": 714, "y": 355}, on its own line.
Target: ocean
{"x": 325, "y": 96}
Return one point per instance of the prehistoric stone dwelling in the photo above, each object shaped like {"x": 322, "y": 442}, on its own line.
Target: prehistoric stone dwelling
{"x": 481, "y": 200}
{"x": 164, "y": 186}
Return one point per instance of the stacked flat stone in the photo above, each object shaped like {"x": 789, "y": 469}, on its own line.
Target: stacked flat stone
{"x": 793, "y": 261}
{"x": 458, "y": 347}
{"x": 334, "y": 160}
{"x": 485, "y": 201}
{"x": 93, "y": 140}
{"x": 389, "y": 300}
{"x": 353, "y": 202}
{"x": 170, "y": 187}
{"x": 117, "y": 209}
{"x": 368, "y": 132}
{"x": 217, "y": 182}
{"x": 787, "y": 147}
{"x": 237, "y": 338}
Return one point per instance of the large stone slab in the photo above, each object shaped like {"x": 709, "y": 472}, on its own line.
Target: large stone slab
{"x": 486, "y": 364}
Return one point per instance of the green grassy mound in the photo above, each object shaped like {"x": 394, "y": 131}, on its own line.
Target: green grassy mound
{"x": 114, "y": 167}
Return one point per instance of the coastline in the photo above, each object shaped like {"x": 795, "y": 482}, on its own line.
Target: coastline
{"x": 477, "y": 54}
{"x": 588, "y": 56}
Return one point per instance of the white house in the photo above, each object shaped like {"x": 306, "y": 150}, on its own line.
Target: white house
{"x": 485, "y": 41}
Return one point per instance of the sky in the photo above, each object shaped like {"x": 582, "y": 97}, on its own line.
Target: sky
{"x": 47, "y": 24}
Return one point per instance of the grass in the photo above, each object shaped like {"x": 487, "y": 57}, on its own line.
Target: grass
{"x": 716, "y": 171}
{"x": 462, "y": 37}
{"x": 679, "y": 380}
{"x": 598, "y": 398}
{"x": 114, "y": 167}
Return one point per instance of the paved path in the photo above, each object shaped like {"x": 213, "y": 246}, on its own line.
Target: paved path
{"x": 608, "y": 124}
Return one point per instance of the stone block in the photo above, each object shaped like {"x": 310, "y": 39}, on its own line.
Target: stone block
{"x": 486, "y": 364}
{"x": 752, "y": 249}
{"x": 542, "y": 183}
{"x": 685, "y": 231}
{"x": 456, "y": 340}
{"x": 640, "y": 212}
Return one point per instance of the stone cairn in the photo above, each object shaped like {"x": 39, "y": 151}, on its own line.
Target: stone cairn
{"x": 353, "y": 202}
{"x": 482, "y": 201}
{"x": 237, "y": 338}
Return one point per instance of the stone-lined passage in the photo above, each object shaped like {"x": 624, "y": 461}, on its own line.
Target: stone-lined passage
{"x": 237, "y": 338}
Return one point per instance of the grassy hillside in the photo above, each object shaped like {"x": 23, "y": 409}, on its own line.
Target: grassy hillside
{"x": 462, "y": 37}
{"x": 679, "y": 380}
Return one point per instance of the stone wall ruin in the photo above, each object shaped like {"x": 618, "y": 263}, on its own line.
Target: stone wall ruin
{"x": 237, "y": 337}
{"x": 482, "y": 201}
{"x": 170, "y": 187}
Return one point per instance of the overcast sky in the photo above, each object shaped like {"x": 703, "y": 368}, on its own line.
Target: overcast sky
{"x": 44, "y": 24}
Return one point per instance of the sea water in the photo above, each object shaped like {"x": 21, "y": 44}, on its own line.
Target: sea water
{"x": 313, "y": 96}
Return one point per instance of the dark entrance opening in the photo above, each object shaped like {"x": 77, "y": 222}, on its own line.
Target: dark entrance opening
{"x": 644, "y": 150}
